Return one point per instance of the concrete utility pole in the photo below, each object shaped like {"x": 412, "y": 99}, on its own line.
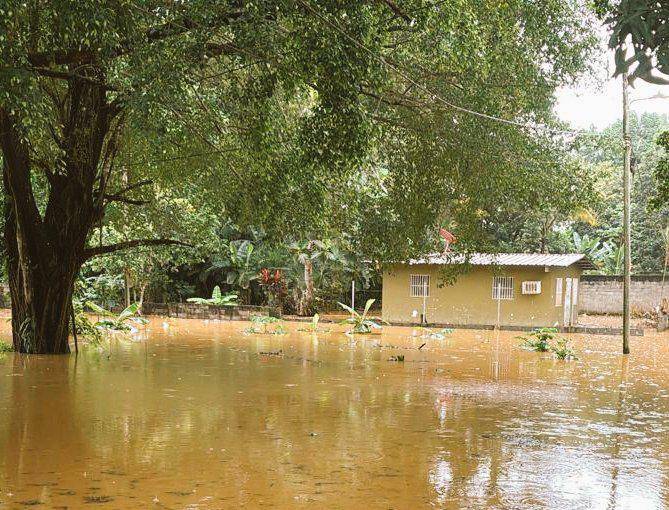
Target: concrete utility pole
{"x": 627, "y": 240}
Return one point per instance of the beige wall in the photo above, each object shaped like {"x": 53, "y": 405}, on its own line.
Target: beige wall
{"x": 469, "y": 300}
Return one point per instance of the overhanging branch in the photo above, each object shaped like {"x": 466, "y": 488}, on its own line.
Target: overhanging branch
{"x": 125, "y": 200}
{"x": 111, "y": 248}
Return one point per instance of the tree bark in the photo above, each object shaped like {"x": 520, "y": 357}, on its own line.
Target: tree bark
{"x": 45, "y": 250}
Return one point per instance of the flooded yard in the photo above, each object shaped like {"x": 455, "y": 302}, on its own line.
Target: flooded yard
{"x": 199, "y": 415}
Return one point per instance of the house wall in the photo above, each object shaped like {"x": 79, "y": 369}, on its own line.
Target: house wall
{"x": 469, "y": 300}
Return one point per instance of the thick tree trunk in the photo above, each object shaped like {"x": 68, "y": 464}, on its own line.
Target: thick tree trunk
{"x": 45, "y": 249}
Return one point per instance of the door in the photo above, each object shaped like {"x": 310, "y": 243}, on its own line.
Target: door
{"x": 566, "y": 321}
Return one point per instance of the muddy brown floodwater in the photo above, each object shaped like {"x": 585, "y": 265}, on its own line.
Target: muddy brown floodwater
{"x": 194, "y": 416}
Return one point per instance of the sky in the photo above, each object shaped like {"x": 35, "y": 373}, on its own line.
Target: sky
{"x": 597, "y": 100}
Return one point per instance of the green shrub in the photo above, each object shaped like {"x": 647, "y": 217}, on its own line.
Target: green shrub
{"x": 5, "y": 346}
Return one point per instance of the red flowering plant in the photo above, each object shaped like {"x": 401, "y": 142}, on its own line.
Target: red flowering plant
{"x": 274, "y": 285}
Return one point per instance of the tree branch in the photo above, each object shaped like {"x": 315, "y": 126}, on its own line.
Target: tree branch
{"x": 135, "y": 185}
{"x": 111, "y": 248}
{"x": 125, "y": 200}
{"x": 398, "y": 12}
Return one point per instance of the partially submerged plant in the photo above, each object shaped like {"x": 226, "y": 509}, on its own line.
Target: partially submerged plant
{"x": 216, "y": 299}
{"x": 539, "y": 339}
{"x": 362, "y": 323}
{"x": 120, "y": 322}
{"x": 398, "y": 357}
{"x": 434, "y": 335}
{"x": 266, "y": 325}
{"x": 84, "y": 326}
{"x": 5, "y": 347}
{"x": 545, "y": 340}
{"x": 313, "y": 326}
{"x": 562, "y": 350}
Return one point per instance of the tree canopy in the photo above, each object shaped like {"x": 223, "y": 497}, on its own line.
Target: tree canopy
{"x": 303, "y": 118}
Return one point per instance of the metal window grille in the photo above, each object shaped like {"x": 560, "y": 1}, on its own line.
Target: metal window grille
{"x": 420, "y": 285}
{"x": 502, "y": 287}
{"x": 558, "y": 292}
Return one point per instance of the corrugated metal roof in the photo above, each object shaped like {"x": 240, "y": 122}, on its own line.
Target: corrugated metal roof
{"x": 508, "y": 259}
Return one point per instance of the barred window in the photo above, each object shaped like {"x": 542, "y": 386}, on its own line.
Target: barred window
{"x": 420, "y": 285}
{"x": 502, "y": 287}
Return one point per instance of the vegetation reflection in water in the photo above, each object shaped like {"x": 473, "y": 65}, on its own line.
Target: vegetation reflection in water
{"x": 196, "y": 416}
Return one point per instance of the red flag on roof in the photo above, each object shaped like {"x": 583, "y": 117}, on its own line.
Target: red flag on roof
{"x": 448, "y": 238}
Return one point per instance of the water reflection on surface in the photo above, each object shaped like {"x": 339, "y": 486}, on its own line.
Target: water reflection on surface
{"x": 195, "y": 417}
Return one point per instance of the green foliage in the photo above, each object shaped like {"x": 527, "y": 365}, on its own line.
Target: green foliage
{"x": 5, "y": 347}
{"x": 362, "y": 322}
{"x": 661, "y": 173}
{"x": 545, "y": 340}
{"x": 266, "y": 325}
{"x": 301, "y": 126}
{"x": 649, "y": 216}
{"x": 120, "y": 322}
{"x": 643, "y": 23}
{"x": 216, "y": 299}
{"x": 539, "y": 340}
{"x": 84, "y": 326}
{"x": 562, "y": 350}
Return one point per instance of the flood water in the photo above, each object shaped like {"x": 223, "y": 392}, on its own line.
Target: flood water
{"x": 196, "y": 416}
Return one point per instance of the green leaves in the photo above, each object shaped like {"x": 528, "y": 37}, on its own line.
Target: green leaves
{"x": 217, "y": 299}
{"x": 646, "y": 25}
{"x": 361, "y": 323}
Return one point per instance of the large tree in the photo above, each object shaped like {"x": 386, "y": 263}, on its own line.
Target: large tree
{"x": 270, "y": 109}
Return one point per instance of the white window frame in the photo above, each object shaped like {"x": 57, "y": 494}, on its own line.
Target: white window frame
{"x": 419, "y": 285}
{"x": 558, "y": 292}
{"x": 502, "y": 287}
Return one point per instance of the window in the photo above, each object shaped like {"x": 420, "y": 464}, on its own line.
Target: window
{"x": 502, "y": 287}
{"x": 558, "y": 292}
{"x": 420, "y": 285}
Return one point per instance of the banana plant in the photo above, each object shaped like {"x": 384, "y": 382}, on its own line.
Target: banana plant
{"x": 216, "y": 299}
{"x": 362, "y": 323}
{"x": 313, "y": 326}
{"x": 121, "y": 322}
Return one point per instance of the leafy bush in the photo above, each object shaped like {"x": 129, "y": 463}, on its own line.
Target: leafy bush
{"x": 562, "y": 350}
{"x": 539, "y": 339}
{"x": 544, "y": 340}
{"x": 362, "y": 323}
{"x": 5, "y": 347}
{"x": 120, "y": 322}
{"x": 266, "y": 325}
{"x": 84, "y": 326}
{"x": 216, "y": 299}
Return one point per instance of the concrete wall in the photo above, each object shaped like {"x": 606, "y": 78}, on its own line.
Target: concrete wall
{"x": 469, "y": 300}
{"x": 196, "y": 311}
{"x": 604, "y": 294}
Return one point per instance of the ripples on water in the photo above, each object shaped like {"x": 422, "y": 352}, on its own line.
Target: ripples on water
{"x": 195, "y": 417}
